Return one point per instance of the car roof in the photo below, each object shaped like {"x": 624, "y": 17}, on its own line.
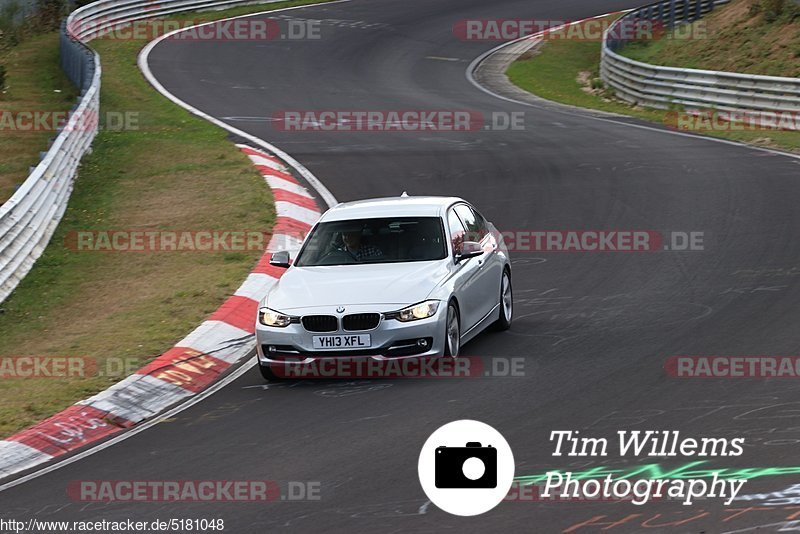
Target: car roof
{"x": 402, "y": 206}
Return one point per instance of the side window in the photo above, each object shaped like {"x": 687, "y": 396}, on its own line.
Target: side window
{"x": 456, "y": 231}
{"x": 473, "y": 221}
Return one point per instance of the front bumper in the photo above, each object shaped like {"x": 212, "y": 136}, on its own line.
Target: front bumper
{"x": 391, "y": 339}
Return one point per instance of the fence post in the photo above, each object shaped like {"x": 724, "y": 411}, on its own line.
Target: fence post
{"x": 671, "y": 13}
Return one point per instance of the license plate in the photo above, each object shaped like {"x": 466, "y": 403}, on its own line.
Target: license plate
{"x": 361, "y": 341}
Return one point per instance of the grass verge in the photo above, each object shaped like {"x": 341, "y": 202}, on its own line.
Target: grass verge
{"x": 564, "y": 71}
{"x": 742, "y": 36}
{"x": 173, "y": 171}
{"x": 34, "y": 84}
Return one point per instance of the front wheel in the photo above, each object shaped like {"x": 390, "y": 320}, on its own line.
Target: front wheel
{"x": 452, "y": 339}
{"x": 506, "y": 303}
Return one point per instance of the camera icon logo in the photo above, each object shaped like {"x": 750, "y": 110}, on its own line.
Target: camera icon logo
{"x": 466, "y": 468}
{"x": 472, "y": 466}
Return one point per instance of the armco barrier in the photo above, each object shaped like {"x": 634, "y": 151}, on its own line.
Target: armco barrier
{"x": 29, "y": 218}
{"x": 214, "y": 348}
{"x": 670, "y": 87}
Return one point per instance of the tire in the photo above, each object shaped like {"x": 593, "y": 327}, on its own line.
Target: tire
{"x": 506, "y": 303}
{"x": 452, "y": 332}
{"x": 268, "y": 373}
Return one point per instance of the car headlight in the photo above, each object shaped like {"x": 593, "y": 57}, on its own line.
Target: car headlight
{"x": 270, "y": 317}
{"x": 423, "y": 310}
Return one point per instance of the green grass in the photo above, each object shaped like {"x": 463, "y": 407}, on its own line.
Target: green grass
{"x": 34, "y": 83}
{"x": 175, "y": 172}
{"x": 734, "y": 37}
{"x": 553, "y": 73}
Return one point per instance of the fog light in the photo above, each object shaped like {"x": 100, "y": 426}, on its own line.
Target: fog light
{"x": 422, "y": 342}
{"x": 272, "y": 348}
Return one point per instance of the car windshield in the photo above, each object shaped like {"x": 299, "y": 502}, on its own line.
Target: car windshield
{"x": 387, "y": 240}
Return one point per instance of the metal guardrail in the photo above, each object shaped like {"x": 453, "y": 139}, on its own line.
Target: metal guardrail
{"x": 669, "y": 87}
{"x": 30, "y": 217}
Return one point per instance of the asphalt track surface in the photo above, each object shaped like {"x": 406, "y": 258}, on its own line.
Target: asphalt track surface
{"x": 594, "y": 329}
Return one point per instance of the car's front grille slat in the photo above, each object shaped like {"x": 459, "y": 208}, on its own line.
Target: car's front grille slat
{"x": 360, "y": 321}
{"x": 320, "y": 323}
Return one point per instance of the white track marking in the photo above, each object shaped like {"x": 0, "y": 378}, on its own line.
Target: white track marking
{"x": 135, "y": 430}
{"x": 211, "y": 336}
{"x": 280, "y": 183}
{"x": 585, "y": 112}
{"x": 312, "y": 180}
{"x": 258, "y": 160}
{"x": 298, "y": 213}
{"x": 326, "y": 195}
{"x": 137, "y": 397}
{"x": 22, "y": 454}
{"x": 256, "y": 286}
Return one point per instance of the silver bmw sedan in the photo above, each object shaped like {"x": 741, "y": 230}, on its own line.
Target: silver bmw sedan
{"x": 387, "y": 278}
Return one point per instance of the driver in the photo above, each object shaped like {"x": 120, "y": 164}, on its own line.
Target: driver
{"x": 358, "y": 250}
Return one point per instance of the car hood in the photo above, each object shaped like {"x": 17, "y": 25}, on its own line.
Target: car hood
{"x": 395, "y": 284}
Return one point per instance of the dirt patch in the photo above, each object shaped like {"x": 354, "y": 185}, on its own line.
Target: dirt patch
{"x": 589, "y": 83}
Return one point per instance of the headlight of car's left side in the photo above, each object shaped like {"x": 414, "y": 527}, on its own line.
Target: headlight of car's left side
{"x": 423, "y": 310}
{"x": 269, "y": 317}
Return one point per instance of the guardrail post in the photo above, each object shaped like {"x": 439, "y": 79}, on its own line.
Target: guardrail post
{"x": 671, "y": 13}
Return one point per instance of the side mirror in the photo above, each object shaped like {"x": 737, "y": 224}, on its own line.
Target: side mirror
{"x": 469, "y": 249}
{"x": 280, "y": 259}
